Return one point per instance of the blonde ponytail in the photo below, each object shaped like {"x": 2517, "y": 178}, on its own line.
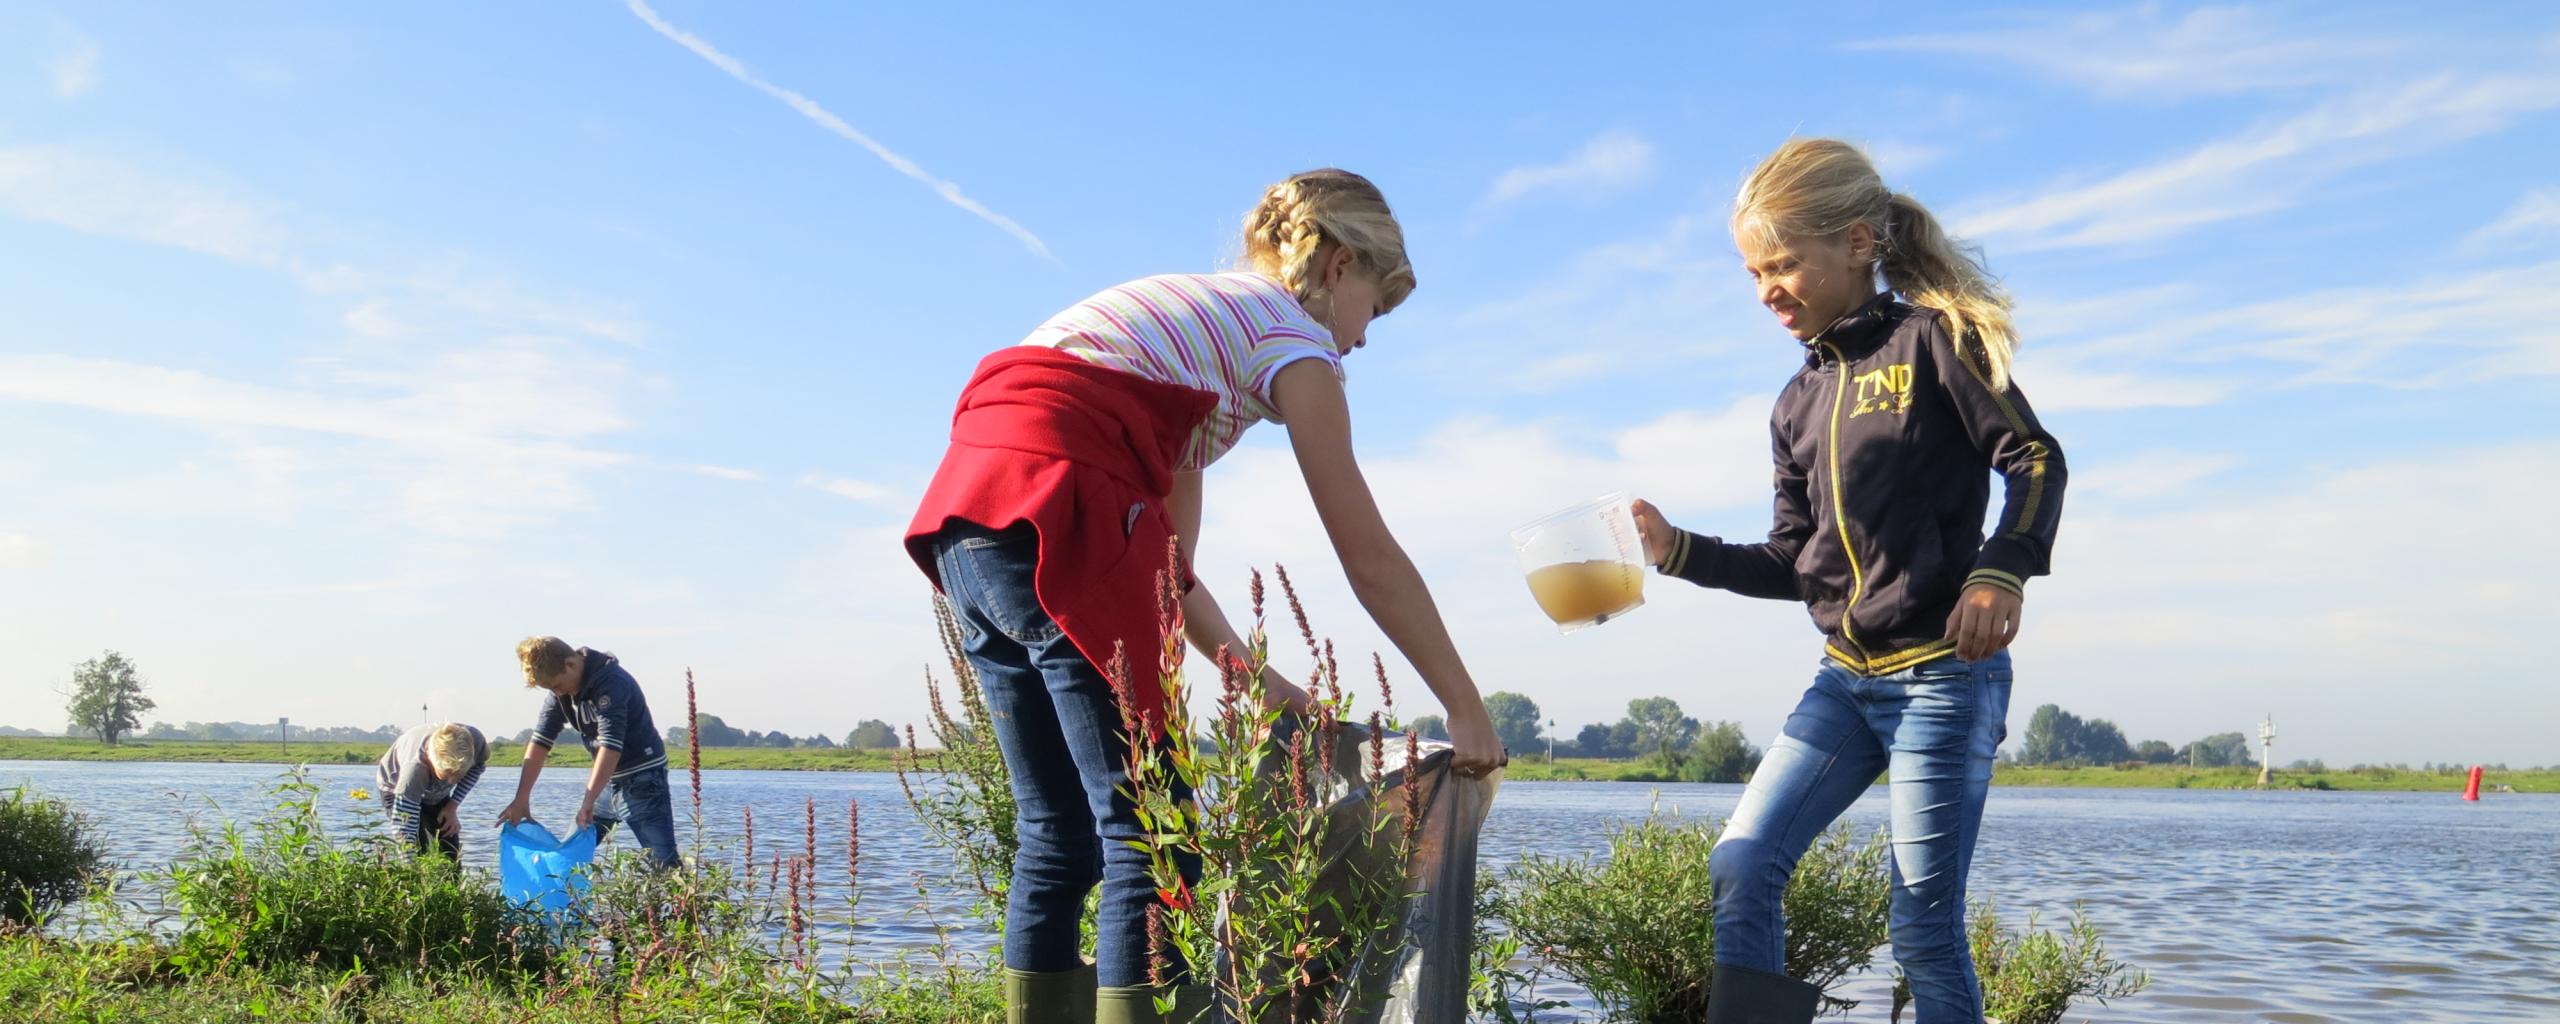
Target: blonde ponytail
{"x": 1302, "y": 214}
{"x": 1818, "y": 188}
{"x": 1936, "y": 271}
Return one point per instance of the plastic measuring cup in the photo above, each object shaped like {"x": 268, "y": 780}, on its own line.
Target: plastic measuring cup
{"x": 1585, "y": 564}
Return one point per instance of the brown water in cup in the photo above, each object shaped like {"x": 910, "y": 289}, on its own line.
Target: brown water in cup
{"x": 1578, "y": 592}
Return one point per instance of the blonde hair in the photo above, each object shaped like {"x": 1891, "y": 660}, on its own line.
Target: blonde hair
{"x": 543, "y": 657}
{"x": 1819, "y": 188}
{"x": 450, "y": 747}
{"x": 1305, "y": 213}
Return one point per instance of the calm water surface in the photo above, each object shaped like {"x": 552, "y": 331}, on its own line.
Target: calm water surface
{"x": 2285, "y": 907}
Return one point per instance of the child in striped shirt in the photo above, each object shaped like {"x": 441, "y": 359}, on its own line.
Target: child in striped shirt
{"x": 1076, "y": 457}
{"x": 423, "y": 778}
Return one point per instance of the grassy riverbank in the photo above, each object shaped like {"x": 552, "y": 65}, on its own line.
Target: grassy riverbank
{"x": 2156, "y": 776}
{"x": 1581, "y": 769}
{"x": 502, "y": 755}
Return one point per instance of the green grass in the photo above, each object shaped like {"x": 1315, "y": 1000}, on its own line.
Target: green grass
{"x": 281, "y": 921}
{"x": 61, "y": 981}
{"x": 1524, "y": 769}
{"x": 501, "y": 755}
{"x": 2111, "y": 777}
{"x": 2163, "y": 776}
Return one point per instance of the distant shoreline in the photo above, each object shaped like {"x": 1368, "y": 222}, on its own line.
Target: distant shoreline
{"x": 508, "y": 755}
{"x": 502, "y": 754}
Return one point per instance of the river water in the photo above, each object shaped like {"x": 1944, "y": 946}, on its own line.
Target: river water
{"x": 2288, "y": 907}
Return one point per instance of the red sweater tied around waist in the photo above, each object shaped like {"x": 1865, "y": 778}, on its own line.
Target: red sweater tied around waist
{"x": 1085, "y": 454}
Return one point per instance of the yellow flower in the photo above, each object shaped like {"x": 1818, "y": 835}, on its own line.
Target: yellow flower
{"x": 359, "y": 793}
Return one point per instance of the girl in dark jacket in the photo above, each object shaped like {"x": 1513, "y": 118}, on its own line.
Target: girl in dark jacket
{"x": 1884, "y": 444}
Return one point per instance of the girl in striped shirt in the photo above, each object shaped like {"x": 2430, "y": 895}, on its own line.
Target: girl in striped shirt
{"x": 1075, "y": 456}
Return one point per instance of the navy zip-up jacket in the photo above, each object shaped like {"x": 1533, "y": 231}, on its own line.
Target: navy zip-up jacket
{"x": 609, "y": 712}
{"x": 1885, "y": 443}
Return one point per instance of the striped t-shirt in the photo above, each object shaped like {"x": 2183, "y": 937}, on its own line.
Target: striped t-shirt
{"x": 1226, "y": 334}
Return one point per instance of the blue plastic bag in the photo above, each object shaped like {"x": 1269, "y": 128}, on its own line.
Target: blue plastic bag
{"x": 541, "y": 871}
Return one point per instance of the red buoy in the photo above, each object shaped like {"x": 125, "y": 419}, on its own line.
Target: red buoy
{"x": 2471, "y": 791}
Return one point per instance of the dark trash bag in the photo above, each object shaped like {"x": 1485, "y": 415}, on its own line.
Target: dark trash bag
{"x": 1420, "y": 971}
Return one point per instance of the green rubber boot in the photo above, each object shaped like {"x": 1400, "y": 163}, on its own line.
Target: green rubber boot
{"x": 1136, "y": 1004}
{"x": 1049, "y": 997}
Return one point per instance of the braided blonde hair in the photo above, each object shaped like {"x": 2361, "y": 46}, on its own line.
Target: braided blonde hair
{"x": 1303, "y": 215}
{"x": 1818, "y": 188}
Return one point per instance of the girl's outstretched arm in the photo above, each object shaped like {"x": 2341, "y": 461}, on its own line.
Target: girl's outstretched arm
{"x": 1381, "y": 575}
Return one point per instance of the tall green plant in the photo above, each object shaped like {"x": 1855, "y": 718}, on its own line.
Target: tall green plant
{"x": 969, "y": 810}
{"x": 1633, "y": 927}
{"x": 49, "y": 855}
{"x": 1290, "y": 896}
{"x": 2033, "y": 976}
{"x": 285, "y": 892}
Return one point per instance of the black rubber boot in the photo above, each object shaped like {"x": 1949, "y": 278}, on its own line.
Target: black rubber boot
{"x": 1741, "y": 995}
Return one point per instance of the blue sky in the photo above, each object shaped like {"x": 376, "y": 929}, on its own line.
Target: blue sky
{"x": 340, "y": 349}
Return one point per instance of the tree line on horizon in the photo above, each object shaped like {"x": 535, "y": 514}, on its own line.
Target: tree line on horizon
{"x": 106, "y": 699}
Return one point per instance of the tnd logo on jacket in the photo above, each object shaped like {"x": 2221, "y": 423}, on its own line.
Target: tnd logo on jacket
{"x": 1884, "y": 389}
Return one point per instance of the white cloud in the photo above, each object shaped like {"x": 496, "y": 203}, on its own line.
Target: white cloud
{"x": 1636, "y": 305}
{"x": 1894, "y": 160}
{"x": 372, "y": 318}
{"x": 1610, "y": 161}
{"x": 261, "y": 71}
{"x": 810, "y": 109}
{"x": 2266, "y": 169}
{"x": 2058, "y": 383}
{"x": 480, "y": 419}
{"x": 19, "y": 551}
{"x": 2148, "y": 474}
{"x": 90, "y": 192}
{"x": 2533, "y": 218}
{"x": 2144, "y": 53}
{"x": 336, "y": 589}
{"x": 476, "y": 441}
{"x": 2420, "y": 332}
{"x": 75, "y": 71}
{"x": 850, "y": 489}
{"x": 727, "y": 473}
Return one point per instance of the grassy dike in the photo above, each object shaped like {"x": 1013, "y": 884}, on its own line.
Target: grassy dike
{"x": 1571, "y": 769}
{"x": 501, "y": 754}
{"x": 2155, "y": 776}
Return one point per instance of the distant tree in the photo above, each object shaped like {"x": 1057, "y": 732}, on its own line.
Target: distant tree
{"x": 2156, "y": 752}
{"x": 2220, "y": 750}
{"x": 1622, "y": 739}
{"x": 1429, "y": 727}
{"x": 820, "y": 741}
{"x": 2102, "y": 743}
{"x": 1515, "y": 722}
{"x": 776, "y": 738}
{"x": 106, "y": 697}
{"x": 1659, "y": 725}
{"x": 1724, "y": 754}
{"x": 716, "y": 733}
{"x": 872, "y": 734}
{"x": 2052, "y": 735}
{"x": 1594, "y": 741}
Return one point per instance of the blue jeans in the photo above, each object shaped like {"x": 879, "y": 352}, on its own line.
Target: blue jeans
{"x": 640, "y": 801}
{"x": 1059, "y": 728}
{"x": 1933, "y": 730}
